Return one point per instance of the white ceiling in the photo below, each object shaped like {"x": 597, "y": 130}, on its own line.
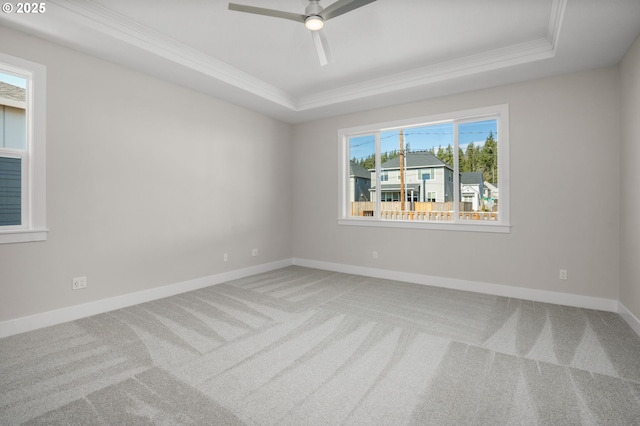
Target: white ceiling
{"x": 387, "y": 52}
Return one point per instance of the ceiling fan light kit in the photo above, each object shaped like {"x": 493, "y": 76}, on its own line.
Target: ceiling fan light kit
{"x": 314, "y": 23}
{"x": 313, "y": 19}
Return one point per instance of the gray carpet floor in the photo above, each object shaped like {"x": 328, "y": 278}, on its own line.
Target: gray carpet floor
{"x": 300, "y": 346}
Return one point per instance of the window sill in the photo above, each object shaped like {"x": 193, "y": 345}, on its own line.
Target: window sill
{"x": 439, "y": 226}
{"x": 23, "y": 236}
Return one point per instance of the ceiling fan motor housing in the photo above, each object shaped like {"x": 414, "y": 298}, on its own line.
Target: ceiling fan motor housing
{"x": 313, "y": 9}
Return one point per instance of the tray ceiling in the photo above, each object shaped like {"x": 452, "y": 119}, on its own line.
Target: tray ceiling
{"x": 386, "y": 52}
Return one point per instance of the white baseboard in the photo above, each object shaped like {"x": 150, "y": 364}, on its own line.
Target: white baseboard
{"x": 46, "y": 319}
{"x": 466, "y": 285}
{"x": 631, "y": 319}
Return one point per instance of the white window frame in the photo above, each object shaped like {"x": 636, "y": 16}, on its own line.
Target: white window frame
{"x": 502, "y": 225}
{"x": 33, "y": 226}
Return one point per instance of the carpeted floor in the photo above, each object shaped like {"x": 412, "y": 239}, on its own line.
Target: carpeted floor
{"x": 299, "y": 346}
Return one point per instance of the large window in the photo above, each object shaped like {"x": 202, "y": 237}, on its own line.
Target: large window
{"x": 22, "y": 151}
{"x": 448, "y": 171}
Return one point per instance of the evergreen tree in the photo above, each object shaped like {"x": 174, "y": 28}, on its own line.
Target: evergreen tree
{"x": 369, "y": 162}
{"x": 470, "y": 159}
{"x": 488, "y": 159}
{"x": 462, "y": 161}
{"x": 446, "y": 156}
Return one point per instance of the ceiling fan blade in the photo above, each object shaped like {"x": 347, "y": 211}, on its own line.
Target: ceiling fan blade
{"x": 322, "y": 47}
{"x": 341, "y": 7}
{"x": 267, "y": 12}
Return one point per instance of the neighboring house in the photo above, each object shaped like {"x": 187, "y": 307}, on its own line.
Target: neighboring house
{"x": 12, "y": 116}
{"x": 491, "y": 190}
{"x": 427, "y": 178}
{"x": 359, "y": 182}
{"x": 13, "y": 137}
{"x": 472, "y": 189}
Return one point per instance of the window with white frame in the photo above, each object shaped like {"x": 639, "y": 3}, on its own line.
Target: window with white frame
{"x": 425, "y": 174}
{"x": 22, "y": 150}
{"x": 454, "y": 154}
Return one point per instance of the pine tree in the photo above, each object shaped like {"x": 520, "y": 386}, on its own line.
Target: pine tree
{"x": 446, "y": 156}
{"x": 488, "y": 159}
{"x": 471, "y": 158}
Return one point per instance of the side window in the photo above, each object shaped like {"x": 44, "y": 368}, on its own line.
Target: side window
{"x": 22, "y": 150}
{"x": 13, "y": 149}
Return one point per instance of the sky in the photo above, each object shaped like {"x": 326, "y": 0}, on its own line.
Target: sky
{"x": 14, "y": 81}
{"x": 425, "y": 137}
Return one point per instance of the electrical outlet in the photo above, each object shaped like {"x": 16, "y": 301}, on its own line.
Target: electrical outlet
{"x": 563, "y": 274}
{"x": 375, "y": 255}
{"x": 225, "y": 257}
{"x": 254, "y": 252}
{"x": 79, "y": 282}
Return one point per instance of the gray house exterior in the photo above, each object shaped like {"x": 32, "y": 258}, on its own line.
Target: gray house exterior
{"x": 472, "y": 188}
{"x": 359, "y": 182}
{"x": 427, "y": 178}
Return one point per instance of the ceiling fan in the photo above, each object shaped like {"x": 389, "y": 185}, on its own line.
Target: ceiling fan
{"x": 313, "y": 18}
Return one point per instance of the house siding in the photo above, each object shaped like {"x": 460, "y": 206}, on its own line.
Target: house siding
{"x": 10, "y": 191}
{"x": 13, "y": 128}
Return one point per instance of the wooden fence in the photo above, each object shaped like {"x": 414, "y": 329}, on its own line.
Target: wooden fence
{"x": 437, "y": 211}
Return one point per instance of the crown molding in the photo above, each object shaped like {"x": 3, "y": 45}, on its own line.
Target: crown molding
{"x": 556, "y": 17}
{"x": 516, "y": 54}
{"x": 121, "y": 28}
{"x": 118, "y": 27}
{"x": 474, "y": 64}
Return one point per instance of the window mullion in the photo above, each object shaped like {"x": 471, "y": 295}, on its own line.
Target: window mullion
{"x": 456, "y": 174}
{"x": 378, "y": 182}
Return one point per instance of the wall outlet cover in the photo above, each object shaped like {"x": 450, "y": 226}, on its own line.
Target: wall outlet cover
{"x": 79, "y": 282}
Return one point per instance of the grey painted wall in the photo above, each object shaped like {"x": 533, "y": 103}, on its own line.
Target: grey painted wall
{"x": 148, "y": 184}
{"x": 630, "y": 180}
{"x": 564, "y": 160}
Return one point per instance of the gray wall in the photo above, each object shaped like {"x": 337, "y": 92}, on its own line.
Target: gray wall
{"x": 630, "y": 180}
{"x": 148, "y": 184}
{"x": 565, "y": 158}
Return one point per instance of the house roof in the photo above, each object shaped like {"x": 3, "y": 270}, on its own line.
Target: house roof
{"x": 415, "y": 160}
{"x": 357, "y": 170}
{"x": 11, "y": 92}
{"x": 471, "y": 178}
{"x": 492, "y": 186}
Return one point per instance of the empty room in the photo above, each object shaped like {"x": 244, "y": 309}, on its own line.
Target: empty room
{"x": 303, "y": 212}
